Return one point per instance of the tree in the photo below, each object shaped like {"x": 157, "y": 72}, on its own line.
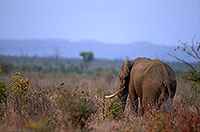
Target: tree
{"x": 87, "y": 56}
{"x": 192, "y": 75}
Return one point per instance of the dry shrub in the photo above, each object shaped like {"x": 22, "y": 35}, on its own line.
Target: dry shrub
{"x": 179, "y": 119}
{"x": 113, "y": 109}
{"x": 60, "y": 108}
{"x": 110, "y": 126}
{"x": 11, "y": 123}
{"x": 75, "y": 107}
{"x": 38, "y": 126}
{"x": 78, "y": 106}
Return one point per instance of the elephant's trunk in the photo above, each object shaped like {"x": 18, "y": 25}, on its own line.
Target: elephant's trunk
{"x": 123, "y": 97}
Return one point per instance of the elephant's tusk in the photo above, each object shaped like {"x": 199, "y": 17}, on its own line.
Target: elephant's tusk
{"x": 113, "y": 95}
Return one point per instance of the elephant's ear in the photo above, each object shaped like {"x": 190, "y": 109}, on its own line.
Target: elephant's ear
{"x": 125, "y": 70}
{"x": 123, "y": 74}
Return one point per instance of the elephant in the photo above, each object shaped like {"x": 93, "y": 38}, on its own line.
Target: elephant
{"x": 152, "y": 81}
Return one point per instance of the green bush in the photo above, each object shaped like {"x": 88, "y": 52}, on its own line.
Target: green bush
{"x": 5, "y": 67}
{"x": 194, "y": 77}
{"x": 3, "y": 90}
{"x": 19, "y": 87}
{"x": 76, "y": 106}
{"x": 62, "y": 69}
{"x": 25, "y": 100}
{"x": 113, "y": 109}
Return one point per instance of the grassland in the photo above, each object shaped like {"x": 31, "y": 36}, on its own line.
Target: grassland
{"x": 49, "y": 94}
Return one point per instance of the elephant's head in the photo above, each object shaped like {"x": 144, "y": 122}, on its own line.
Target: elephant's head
{"x": 124, "y": 74}
{"x": 123, "y": 84}
{"x": 122, "y": 91}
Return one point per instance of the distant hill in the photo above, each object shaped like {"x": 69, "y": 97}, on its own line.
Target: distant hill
{"x": 68, "y": 49}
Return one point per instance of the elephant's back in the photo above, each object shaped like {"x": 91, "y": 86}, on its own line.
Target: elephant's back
{"x": 152, "y": 71}
{"x": 144, "y": 66}
{"x": 151, "y": 67}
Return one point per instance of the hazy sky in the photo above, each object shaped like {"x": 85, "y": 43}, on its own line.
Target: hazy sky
{"x": 113, "y": 21}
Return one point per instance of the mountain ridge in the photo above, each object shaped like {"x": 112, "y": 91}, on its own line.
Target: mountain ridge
{"x": 70, "y": 49}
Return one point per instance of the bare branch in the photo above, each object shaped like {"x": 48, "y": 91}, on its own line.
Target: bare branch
{"x": 195, "y": 49}
{"x": 190, "y": 50}
{"x": 183, "y": 62}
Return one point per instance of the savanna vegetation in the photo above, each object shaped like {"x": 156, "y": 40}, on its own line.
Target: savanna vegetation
{"x": 57, "y": 94}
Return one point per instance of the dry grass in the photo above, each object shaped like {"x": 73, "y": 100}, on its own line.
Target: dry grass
{"x": 62, "y": 107}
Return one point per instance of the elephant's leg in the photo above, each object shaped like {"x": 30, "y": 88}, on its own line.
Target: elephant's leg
{"x": 165, "y": 101}
{"x": 172, "y": 89}
{"x": 133, "y": 98}
{"x": 143, "y": 106}
{"x": 163, "y": 96}
{"x": 149, "y": 98}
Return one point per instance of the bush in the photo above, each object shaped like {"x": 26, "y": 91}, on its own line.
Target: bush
{"x": 5, "y": 67}
{"x": 3, "y": 98}
{"x": 76, "y": 107}
{"x": 19, "y": 88}
{"x": 181, "y": 120}
{"x": 113, "y": 109}
{"x": 26, "y": 101}
{"x": 193, "y": 75}
{"x": 46, "y": 107}
{"x": 3, "y": 90}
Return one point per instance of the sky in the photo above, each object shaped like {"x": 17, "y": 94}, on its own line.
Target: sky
{"x": 112, "y": 21}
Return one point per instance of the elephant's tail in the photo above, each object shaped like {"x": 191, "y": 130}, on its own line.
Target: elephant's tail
{"x": 169, "y": 82}
{"x": 168, "y": 92}
{"x": 171, "y": 87}
{"x": 165, "y": 93}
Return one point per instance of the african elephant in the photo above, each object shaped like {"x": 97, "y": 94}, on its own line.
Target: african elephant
{"x": 151, "y": 80}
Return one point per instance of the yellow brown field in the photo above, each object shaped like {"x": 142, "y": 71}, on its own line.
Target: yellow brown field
{"x": 32, "y": 101}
